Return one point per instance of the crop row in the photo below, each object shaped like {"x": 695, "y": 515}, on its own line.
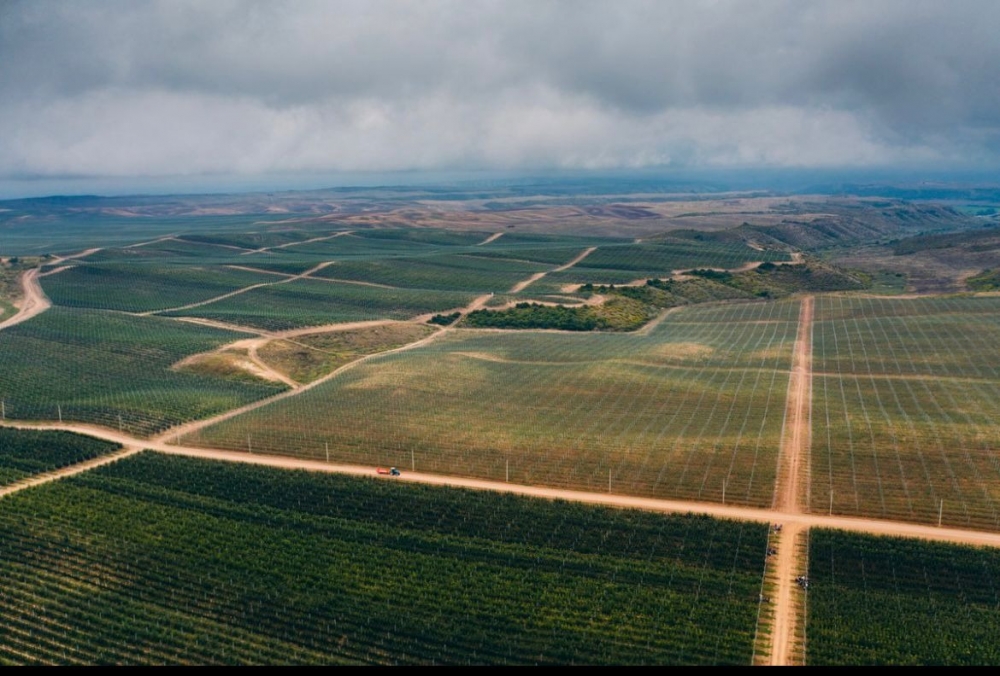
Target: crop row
{"x": 692, "y": 410}
{"x": 163, "y": 560}
{"x": 25, "y": 453}
{"x": 114, "y": 370}
{"x": 894, "y": 601}
{"x": 905, "y": 410}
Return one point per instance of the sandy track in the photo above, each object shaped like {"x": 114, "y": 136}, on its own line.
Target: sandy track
{"x": 492, "y": 238}
{"x": 305, "y": 241}
{"x": 237, "y": 292}
{"x": 795, "y": 438}
{"x": 792, "y": 472}
{"x": 34, "y": 302}
{"x": 790, "y": 521}
{"x": 64, "y": 472}
{"x": 522, "y": 285}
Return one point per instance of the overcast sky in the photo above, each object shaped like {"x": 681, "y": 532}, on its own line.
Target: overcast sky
{"x": 124, "y": 88}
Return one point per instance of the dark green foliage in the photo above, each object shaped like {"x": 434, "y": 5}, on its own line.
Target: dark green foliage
{"x": 877, "y": 600}
{"x": 148, "y": 287}
{"x": 309, "y": 302}
{"x": 444, "y": 320}
{"x": 25, "y": 453}
{"x": 987, "y": 280}
{"x": 167, "y": 560}
{"x": 94, "y": 366}
{"x": 535, "y": 316}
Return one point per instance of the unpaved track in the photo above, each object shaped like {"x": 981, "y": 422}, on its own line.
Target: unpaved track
{"x": 237, "y": 292}
{"x": 34, "y": 302}
{"x": 795, "y": 437}
{"x": 790, "y": 521}
{"x": 792, "y": 475}
{"x": 64, "y": 472}
{"x": 787, "y": 601}
{"x": 492, "y": 238}
{"x": 305, "y": 241}
{"x": 521, "y": 286}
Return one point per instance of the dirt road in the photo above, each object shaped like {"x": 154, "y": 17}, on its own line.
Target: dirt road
{"x": 796, "y": 434}
{"x": 522, "y": 285}
{"x": 34, "y": 302}
{"x": 790, "y": 486}
{"x": 790, "y": 521}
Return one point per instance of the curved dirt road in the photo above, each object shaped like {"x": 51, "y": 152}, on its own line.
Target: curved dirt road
{"x": 34, "y": 303}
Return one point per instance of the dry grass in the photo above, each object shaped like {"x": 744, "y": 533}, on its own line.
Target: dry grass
{"x": 309, "y": 357}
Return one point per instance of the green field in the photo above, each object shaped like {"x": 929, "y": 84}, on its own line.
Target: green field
{"x": 163, "y": 560}
{"x": 311, "y": 302}
{"x": 696, "y": 404}
{"x": 26, "y": 453}
{"x": 448, "y": 272}
{"x": 145, "y": 288}
{"x": 893, "y": 601}
{"x": 114, "y": 369}
{"x": 906, "y": 409}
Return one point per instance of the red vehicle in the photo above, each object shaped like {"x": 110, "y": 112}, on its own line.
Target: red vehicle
{"x": 391, "y": 471}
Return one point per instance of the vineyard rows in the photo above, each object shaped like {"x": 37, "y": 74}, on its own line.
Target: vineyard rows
{"x": 27, "y": 453}
{"x": 114, "y": 370}
{"x": 166, "y": 560}
{"x": 893, "y": 601}
{"x": 692, "y": 410}
{"x": 906, "y": 409}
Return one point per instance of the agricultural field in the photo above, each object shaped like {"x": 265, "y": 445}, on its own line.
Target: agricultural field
{"x": 115, "y": 370}
{"x": 149, "y": 287}
{"x": 312, "y": 302}
{"x": 26, "y": 453}
{"x": 895, "y": 601}
{"x": 162, "y": 560}
{"x": 449, "y": 272}
{"x": 906, "y": 404}
{"x": 308, "y": 357}
{"x": 690, "y": 409}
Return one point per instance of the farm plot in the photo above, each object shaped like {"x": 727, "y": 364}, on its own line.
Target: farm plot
{"x": 906, "y": 404}
{"x": 693, "y": 410}
{"x": 309, "y": 302}
{"x": 306, "y": 358}
{"x": 162, "y": 560}
{"x": 660, "y": 259}
{"x": 449, "y": 272}
{"x": 894, "y": 601}
{"x": 26, "y": 453}
{"x": 355, "y": 245}
{"x": 145, "y": 288}
{"x": 114, "y": 370}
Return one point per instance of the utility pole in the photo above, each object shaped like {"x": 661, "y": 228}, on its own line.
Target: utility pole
{"x": 327, "y": 444}
{"x": 59, "y": 408}
{"x": 723, "y": 491}
{"x": 609, "y": 479}
{"x": 413, "y": 461}
{"x": 940, "y": 512}
{"x": 507, "y": 472}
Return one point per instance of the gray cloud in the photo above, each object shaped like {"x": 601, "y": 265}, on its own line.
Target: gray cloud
{"x": 250, "y": 87}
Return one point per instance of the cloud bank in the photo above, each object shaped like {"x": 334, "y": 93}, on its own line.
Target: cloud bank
{"x": 248, "y": 87}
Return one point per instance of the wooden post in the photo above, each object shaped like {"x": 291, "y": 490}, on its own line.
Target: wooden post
{"x": 59, "y": 408}
{"x": 413, "y": 461}
{"x": 327, "y": 444}
{"x": 940, "y": 512}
